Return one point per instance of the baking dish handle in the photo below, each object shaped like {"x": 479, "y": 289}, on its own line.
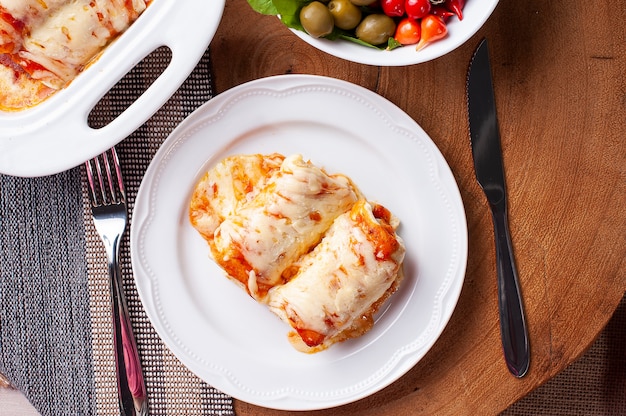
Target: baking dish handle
{"x": 183, "y": 60}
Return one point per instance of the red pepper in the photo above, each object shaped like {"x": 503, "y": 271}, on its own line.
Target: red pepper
{"x": 455, "y": 6}
{"x": 433, "y": 28}
{"x": 442, "y": 12}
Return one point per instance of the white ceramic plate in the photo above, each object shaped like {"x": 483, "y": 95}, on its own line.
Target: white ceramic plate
{"x": 214, "y": 327}
{"x": 475, "y": 14}
{"x": 54, "y": 135}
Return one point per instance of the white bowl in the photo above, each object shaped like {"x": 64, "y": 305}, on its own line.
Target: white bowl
{"x": 475, "y": 14}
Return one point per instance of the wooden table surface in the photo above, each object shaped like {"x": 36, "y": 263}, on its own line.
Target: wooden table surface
{"x": 559, "y": 70}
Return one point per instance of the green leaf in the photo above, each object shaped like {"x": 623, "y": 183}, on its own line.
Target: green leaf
{"x": 263, "y": 6}
{"x": 289, "y": 12}
{"x": 392, "y": 44}
{"x": 359, "y": 41}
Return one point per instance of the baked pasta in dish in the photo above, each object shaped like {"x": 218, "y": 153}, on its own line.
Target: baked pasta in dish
{"x": 45, "y": 44}
{"x": 302, "y": 241}
{"x": 19, "y": 17}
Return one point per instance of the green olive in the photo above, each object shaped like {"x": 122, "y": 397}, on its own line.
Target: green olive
{"x": 347, "y": 16}
{"x": 316, "y": 19}
{"x": 362, "y": 2}
{"x": 376, "y": 29}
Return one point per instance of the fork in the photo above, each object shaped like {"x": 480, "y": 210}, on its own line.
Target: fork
{"x": 108, "y": 207}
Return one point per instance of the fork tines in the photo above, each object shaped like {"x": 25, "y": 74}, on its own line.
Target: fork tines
{"x": 104, "y": 177}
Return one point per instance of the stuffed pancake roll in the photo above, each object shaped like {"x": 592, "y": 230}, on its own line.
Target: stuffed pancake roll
{"x": 258, "y": 245}
{"x": 11, "y": 32}
{"x": 341, "y": 284}
{"x": 17, "y": 89}
{"x": 226, "y": 187}
{"x": 56, "y": 50}
{"x": 19, "y": 17}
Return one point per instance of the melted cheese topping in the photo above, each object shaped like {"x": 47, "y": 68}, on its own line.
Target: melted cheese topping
{"x": 54, "y": 40}
{"x": 224, "y": 189}
{"x": 28, "y": 9}
{"x": 285, "y": 220}
{"x": 17, "y": 17}
{"x": 338, "y": 287}
{"x": 18, "y": 89}
{"x": 65, "y": 42}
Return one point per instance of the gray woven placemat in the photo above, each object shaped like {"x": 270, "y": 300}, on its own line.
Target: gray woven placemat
{"x": 45, "y": 332}
{"x": 55, "y": 318}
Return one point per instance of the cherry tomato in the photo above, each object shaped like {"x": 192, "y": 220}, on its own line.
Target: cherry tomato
{"x": 408, "y": 31}
{"x": 416, "y": 9}
{"x": 433, "y": 28}
{"x": 392, "y": 8}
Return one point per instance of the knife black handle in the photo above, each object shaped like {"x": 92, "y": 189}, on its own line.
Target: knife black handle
{"x": 512, "y": 322}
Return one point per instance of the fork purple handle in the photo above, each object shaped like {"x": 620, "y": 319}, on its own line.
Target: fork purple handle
{"x": 108, "y": 206}
{"x": 132, "y": 392}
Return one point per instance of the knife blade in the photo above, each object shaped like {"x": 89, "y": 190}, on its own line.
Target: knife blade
{"x": 487, "y": 154}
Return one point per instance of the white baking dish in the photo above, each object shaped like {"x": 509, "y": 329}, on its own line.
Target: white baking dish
{"x": 55, "y": 136}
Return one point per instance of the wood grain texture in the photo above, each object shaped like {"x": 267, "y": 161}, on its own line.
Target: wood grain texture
{"x": 559, "y": 70}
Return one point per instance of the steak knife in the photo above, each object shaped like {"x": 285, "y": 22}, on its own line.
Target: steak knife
{"x": 487, "y": 154}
